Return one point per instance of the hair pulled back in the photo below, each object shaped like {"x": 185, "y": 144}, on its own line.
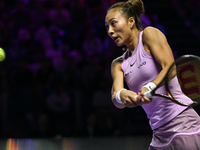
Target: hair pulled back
{"x": 131, "y": 8}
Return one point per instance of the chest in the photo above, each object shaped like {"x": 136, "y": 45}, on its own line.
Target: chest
{"x": 139, "y": 71}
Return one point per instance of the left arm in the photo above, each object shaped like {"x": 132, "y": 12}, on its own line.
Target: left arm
{"x": 155, "y": 43}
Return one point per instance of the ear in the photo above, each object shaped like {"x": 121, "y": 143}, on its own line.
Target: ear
{"x": 131, "y": 22}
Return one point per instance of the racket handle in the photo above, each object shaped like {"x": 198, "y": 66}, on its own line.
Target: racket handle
{"x": 148, "y": 94}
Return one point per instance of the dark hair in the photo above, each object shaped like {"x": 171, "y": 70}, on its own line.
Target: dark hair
{"x": 131, "y": 8}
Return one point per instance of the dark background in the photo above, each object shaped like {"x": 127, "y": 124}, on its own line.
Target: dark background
{"x": 55, "y": 80}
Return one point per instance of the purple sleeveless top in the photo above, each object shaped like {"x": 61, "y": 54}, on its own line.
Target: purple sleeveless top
{"x": 141, "y": 68}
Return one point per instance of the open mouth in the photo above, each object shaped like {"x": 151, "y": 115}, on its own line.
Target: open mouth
{"x": 115, "y": 39}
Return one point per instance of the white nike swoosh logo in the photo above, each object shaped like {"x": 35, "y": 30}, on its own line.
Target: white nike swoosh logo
{"x": 177, "y": 128}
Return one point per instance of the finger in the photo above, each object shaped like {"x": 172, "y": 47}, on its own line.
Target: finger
{"x": 133, "y": 102}
{"x": 140, "y": 94}
{"x": 143, "y": 100}
{"x": 138, "y": 97}
{"x": 146, "y": 99}
{"x": 131, "y": 106}
{"x": 130, "y": 103}
{"x": 139, "y": 100}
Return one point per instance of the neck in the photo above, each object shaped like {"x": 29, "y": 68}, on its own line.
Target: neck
{"x": 133, "y": 40}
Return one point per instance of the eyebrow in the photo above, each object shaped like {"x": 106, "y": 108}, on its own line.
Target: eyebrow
{"x": 110, "y": 20}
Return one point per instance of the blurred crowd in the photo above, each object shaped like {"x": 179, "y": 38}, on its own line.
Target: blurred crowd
{"x": 189, "y": 10}
{"x": 56, "y": 79}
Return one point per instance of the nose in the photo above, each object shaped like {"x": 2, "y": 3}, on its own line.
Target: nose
{"x": 110, "y": 31}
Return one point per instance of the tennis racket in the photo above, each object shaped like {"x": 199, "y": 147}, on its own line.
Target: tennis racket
{"x": 187, "y": 70}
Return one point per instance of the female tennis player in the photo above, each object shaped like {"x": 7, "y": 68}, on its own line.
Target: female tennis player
{"x": 143, "y": 66}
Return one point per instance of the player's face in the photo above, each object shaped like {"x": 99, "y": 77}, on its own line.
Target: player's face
{"x": 117, "y": 27}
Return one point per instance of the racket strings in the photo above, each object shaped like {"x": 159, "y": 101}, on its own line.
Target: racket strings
{"x": 188, "y": 74}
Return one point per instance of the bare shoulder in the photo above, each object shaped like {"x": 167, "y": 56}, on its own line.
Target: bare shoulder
{"x": 151, "y": 34}
{"x": 150, "y": 29}
{"x": 117, "y": 62}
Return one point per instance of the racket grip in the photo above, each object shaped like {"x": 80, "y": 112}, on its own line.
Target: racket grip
{"x": 148, "y": 94}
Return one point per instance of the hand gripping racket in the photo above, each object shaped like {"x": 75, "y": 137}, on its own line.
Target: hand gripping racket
{"x": 187, "y": 70}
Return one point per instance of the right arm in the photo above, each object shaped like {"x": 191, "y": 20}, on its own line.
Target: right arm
{"x": 128, "y": 97}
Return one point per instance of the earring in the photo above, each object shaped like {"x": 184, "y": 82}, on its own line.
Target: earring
{"x": 131, "y": 27}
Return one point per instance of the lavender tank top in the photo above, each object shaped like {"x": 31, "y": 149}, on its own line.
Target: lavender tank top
{"x": 141, "y": 68}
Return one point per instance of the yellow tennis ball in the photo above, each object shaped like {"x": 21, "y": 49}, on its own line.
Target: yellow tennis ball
{"x": 2, "y": 54}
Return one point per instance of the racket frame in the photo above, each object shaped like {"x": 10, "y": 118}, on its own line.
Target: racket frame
{"x": 166, "y": 80}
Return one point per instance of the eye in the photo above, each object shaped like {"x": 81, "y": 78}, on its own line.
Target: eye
{"x": 113, "y": 23}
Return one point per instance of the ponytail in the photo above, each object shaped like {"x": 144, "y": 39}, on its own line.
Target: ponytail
{"x": 131, "y": 8}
